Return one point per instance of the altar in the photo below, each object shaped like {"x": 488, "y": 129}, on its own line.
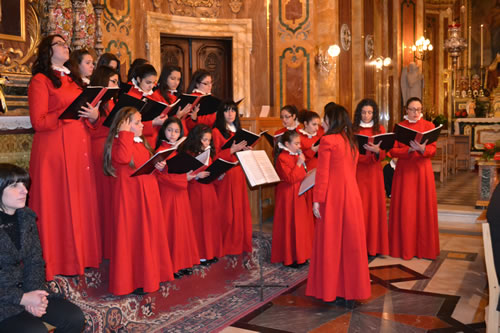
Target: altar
{"x": 480, "y": 130}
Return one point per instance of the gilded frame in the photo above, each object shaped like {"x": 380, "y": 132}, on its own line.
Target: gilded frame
{"x": 22, "y": 34}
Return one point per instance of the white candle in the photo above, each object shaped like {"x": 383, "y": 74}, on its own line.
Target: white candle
{"x": 481, "y": 46}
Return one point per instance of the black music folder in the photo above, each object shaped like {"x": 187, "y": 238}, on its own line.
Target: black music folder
{"x": 92, "y": 95}
{"x": 405, "y": 135}
{"x": 216, "y": 169}
{"x": 243, "y": 134}
{"x": 387, "y": 140}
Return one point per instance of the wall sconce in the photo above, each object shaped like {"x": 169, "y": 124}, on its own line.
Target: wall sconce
{"x": 381, "y": 62}
{"x": 421, "y": 47}
{"x": 324, "y": 59}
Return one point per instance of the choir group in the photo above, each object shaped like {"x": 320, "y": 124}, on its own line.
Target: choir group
{"x": 156, "y": 227}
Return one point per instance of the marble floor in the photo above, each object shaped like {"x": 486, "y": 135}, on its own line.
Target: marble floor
{"x": 448, "y": 294}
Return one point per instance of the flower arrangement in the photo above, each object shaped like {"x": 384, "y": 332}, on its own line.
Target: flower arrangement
{"x": 491, "y": 150}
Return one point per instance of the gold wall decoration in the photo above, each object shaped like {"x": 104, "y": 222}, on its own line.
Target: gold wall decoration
{"x": 195, "y": 8}
{"x": 235, "y": 5}
{"x": 16, "y": 60}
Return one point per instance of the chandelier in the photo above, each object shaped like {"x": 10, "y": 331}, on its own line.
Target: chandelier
{"x": 421, "y": 47}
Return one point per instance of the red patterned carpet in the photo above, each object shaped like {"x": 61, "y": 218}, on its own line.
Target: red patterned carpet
{"x": 206, "y": 301}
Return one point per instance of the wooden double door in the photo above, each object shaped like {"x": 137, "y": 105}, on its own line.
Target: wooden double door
{"x": 190, "y": 54}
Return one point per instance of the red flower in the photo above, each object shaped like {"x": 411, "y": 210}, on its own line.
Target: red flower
{"x": 489, "y": 146}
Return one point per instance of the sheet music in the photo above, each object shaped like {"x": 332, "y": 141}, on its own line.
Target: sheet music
{"x": 257, "y": 167}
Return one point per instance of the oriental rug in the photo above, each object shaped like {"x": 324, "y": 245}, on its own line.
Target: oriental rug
{"x": 206, "y": 301}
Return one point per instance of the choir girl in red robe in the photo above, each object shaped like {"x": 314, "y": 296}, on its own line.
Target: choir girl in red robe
{"x": 413, "y": 218}
{"x": 205, "y": 205}
{"x": 133, "y": 67}
{"x": 103, "y": 76}
{"x": 371, "y": 179}
{"x": 236, "y": 218}
{"x": 81, "y": 65}
{"x": 169, "y": 85}
{"x": 63, "y": 191}
{"x": 293, "y": 226}
{"x": 339, "y": 265}
{"x": 289, "y": 118}
{"x": 142, "y": 87}
{"x": 140, "y": 255}
{"x": 176, "y": 206}
{"x": 201, "y": 84}
{"x": 309, "y": 136}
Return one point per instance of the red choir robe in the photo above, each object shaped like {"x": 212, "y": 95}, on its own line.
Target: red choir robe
{"x": 306, "y": 143}
{"x": 62, "y": 192}
{"x": 293, "y": 226}
{"x": 150, "y": 132}
{"x": 339, "y": 264}
{"x": 140, "y": 255}
{"x": 236, "y": 217}
{"x": 284, "y": 129}
{"x": 371, "y": 187}
{"x": 206, "y": 211}
{"x": 104, "y": 184}
{"x": 208, "y": 119}
{"x": 178, "y": 217}
{"x": 413, "y": 217}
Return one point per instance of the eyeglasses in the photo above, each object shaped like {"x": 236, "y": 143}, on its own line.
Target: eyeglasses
{"x": 286, "y": 116}
{"x": 62, "y": 44}
{"x": 415, "y": 110}
{"x": 207, "y": 83}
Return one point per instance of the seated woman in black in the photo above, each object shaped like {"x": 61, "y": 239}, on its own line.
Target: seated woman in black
{"x": 24, "y": 300}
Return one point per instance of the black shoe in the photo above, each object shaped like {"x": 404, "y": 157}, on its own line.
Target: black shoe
{"x": 205, "y": 263}
{"x": 213, "y": 260}
{"x": 178, "y": 275}
{"x": 294, "y": 265}
{"x": 139, "y": 292}
{"x": 187, "y": 271}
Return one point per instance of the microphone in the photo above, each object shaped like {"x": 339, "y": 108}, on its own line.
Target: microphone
{"x": 304, "y": 162}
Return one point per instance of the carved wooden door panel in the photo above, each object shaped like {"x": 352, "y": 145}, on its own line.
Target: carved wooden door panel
{"x": 175, "y": 51}
{"x": 215, "y": 57}
{"x": 190, "y": 54}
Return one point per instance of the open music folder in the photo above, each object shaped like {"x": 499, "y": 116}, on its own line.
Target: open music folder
{"x": 243, "y": 134}
{"x": 405, "y": 135}
{"x": 257, "y": 167}
{"x": 91, "y": 95}
{"x": 386, "y": 139}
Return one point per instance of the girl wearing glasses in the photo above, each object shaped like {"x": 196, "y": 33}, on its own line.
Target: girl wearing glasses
{"x": 63, "y": 192}
{"x": 370, "y": 178}
{"x": 201, "y": 84}
{"x": 104, "y": 76}
{"x": 289, "y": 118}
{"x": 413, "y": 219}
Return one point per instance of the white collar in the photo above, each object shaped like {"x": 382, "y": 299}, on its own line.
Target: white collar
{"x": 86, "y": 80}
{"x": 282, "y": 146}
{"x": 412, "y": 121}
{"x": 138, "y": 139}
{"x": 294, "y": 126}
{"x": 171, "y": 143}
{"x": 199, "y": 91}
{"x": 231, "y": 127}
{"x": 366, "y": 125}
{"x": 208, "y": 148}
{"x": 136, "y": 86}
{"x": 172, "y": 91}
{"x": 307, "y": 134}
{"x": 61, "y": 69}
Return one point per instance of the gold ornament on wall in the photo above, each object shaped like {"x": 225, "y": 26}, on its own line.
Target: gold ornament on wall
{"x": 195, "y": 8}
{"x": 235, "y": 5}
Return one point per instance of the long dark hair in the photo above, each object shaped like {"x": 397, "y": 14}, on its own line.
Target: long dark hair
{"x": 75, "y": 59}
{"x": 162, "y": 81}
{"x": 197, "y": 78}
{"x": 43, "y": 62}
{"x": 136, "y": 63}
{"x": 123, "y": 114}
{"x": 193, "y": 141}
{"x": 161, "y": 134}
{"x": 101, "y": 77}
{"x": 287, "y": 136}
{"x": 220, "y": 120}
{"x": 357, "y": 115}
{"x": 11, "y": 174}
{"x": 106, "y": 58}
{"x": 340, "y": 123}
{"x": 144, "y": 71}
